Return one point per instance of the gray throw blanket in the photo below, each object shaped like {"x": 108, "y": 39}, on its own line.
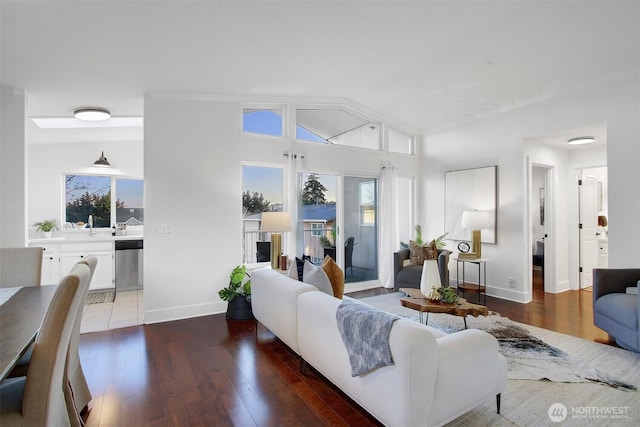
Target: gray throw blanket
{"x": 365, "y": 332}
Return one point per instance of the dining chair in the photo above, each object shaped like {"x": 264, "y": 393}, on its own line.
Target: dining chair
{"x": 20, "y": 267}
{"x": 77, "y": 393}
{"x": 38, "y": 399}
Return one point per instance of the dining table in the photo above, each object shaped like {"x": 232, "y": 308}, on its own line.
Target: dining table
{"x": 21, "y": 314}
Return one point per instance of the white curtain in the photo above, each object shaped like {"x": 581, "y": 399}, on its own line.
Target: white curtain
{"x": 388, "y": 211}
{"x": 293, "y": 166}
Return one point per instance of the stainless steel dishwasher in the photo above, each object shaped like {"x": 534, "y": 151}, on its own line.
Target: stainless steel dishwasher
{"x": 129, "y": 262}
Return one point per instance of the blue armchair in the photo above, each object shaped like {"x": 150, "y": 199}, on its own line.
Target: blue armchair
{"x": 614, "y": 310}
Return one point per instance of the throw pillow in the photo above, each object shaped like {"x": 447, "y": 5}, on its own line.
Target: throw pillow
{"x": 416, "y": 255}
{"x": 430, "y": 251}
{"x": 296, "y": 271}
{"x": 406, "y": 262}
{"x": 335, "y": 274}
{"x": 314, "y": 275}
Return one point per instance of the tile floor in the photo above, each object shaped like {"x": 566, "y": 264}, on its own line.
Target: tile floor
{"x": 126, "y": 310}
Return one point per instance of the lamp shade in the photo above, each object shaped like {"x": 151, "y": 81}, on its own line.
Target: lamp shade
{"x": 275, "y": 222}
{"x": 477, "y": 219}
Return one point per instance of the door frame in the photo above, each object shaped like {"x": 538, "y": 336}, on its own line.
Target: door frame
{"x": 549, "y": 226}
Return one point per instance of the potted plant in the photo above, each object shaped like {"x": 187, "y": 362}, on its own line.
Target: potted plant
{"x": 47, "y": 226}
{"x": 238, "y": 294}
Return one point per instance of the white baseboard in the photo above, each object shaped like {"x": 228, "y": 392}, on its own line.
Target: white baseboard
{"x": 361, "y": 286}
{"x": 184, "y": 312}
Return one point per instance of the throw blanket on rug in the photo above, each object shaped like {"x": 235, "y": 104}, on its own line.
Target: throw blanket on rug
{"x": 365, "y": 332}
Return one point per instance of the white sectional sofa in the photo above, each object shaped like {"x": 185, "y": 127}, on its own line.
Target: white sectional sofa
{"x": 436, "y": 377}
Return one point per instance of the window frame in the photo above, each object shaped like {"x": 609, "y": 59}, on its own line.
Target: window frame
{"x": 113, "y": 189}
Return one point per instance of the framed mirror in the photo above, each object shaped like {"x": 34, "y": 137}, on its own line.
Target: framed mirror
{"x": 470, "y": 190}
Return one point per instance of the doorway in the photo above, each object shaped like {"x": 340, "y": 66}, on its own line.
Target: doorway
{"x": 592, "y": 223}
{"x": 339, "y": 218}
{"x": 540, "y": 177}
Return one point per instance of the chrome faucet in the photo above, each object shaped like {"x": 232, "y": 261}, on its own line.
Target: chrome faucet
{"x": 92, "y": 229}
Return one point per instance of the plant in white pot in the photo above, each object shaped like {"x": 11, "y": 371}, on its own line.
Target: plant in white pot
{"x": 238, "y": 294}
{"x": 47, "y": 226}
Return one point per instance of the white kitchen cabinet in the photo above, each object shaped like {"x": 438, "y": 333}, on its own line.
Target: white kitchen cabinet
{"x": 59, "y": 258}
{"x": 603, "y": 253}
{"x": 103, "y": 277}
{"x": 50, "y": 265}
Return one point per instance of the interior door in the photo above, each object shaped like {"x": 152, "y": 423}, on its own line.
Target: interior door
{"x": 588, "y": 223}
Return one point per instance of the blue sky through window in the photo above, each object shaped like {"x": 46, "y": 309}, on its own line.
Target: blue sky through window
{"x": 263, "y": 122}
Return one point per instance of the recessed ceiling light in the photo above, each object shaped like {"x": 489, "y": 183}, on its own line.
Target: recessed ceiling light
{"x": 581, "y": 140}
{"x": 92, "y": 114}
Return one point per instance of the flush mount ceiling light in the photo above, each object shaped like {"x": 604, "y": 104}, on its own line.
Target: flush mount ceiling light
{"x": 102, "y": 162}
{"x": 581, "y": 140}
{"x": 92, "y": 114}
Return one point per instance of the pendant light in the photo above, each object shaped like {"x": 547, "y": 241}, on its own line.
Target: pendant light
{"x": 102, "y": 162}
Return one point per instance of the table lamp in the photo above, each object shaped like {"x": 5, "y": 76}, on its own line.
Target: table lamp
{"x": 476, "y": 220}
{"x": 275, "y": 223}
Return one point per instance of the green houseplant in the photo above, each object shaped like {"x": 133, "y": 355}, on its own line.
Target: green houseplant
{"x": 47, "y": 226}
{"x": 238, "y": 294}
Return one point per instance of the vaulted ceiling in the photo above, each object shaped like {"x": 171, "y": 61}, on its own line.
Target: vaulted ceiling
{"x": 427, "y": 64}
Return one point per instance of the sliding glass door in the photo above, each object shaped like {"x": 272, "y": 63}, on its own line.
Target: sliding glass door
{"x": 360, "y": 225}
{"x": 337, "y": 216}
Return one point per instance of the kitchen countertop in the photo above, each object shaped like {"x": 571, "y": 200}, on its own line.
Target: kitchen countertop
{"x": 84, "y": 238}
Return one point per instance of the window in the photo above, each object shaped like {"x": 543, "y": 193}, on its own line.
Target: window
{"x": 317, "y": 229}
{"x": 108, "y": 199}
{"x": 400, "y": 142}
{"x": 129, "y": 201}
{"x": 262, "y": 190}
{"x": 263, "y": 121}
{"x": 336, "y": 126}
{"x": 88, "y": 195}
{"x": 367, "y": 203}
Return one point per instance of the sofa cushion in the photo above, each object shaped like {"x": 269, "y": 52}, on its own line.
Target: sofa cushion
{"x": 410, "y": 274}
{"x": 315, "y": 275}
{"x": 335, "y": 274}
{"x": 621, "y": 308}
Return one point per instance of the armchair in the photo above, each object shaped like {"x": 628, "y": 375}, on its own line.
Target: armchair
{"x": 614, "y": 310}
{"x": 409, "y": 276}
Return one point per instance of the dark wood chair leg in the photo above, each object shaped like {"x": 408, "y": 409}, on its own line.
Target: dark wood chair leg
{"x": 303, "y": 367}
{"x": 498, "y": 401}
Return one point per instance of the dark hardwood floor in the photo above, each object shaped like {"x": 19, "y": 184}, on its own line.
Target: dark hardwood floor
{"x": 209, "y": 371}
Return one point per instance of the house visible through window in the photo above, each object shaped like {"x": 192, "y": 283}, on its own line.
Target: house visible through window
{"x": 129, "y": 201}
{"x": 317, "y": 229}
{"x": 367, "y": 203}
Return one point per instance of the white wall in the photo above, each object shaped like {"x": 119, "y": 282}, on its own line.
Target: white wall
{"x": 48, "y": 163}
{"x": 13, "y": 167}
{"x": 499, "y": 140}
{"x": 193, "y": 154}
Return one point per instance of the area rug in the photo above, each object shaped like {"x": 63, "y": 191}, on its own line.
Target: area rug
{"x": 529, "y": 354}
{"x": 100, "y": 297}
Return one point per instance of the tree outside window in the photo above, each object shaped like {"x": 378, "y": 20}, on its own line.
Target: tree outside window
{"x": 88, "y": 195}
